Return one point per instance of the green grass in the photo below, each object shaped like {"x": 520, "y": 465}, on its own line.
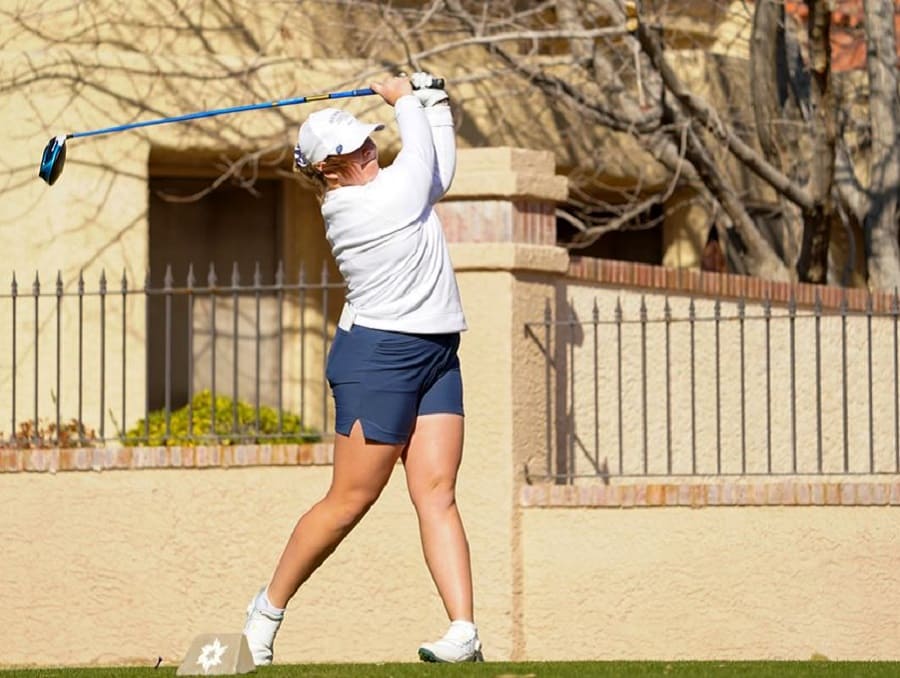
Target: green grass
{"x": 815, "y": 669}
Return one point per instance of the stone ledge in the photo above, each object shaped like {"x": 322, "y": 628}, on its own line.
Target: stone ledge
{"x": 788, "y": 492}
{"x": 495, "y": 256}
{"x": 52, "y": 460}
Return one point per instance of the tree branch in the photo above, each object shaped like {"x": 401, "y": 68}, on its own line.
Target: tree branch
{"x": 704, "y": 113}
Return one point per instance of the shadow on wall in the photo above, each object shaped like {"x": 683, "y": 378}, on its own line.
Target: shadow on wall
{"x": 557, "y": 339}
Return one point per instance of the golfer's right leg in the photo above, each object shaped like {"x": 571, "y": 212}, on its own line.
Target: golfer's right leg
{"x": 360, "y": 472}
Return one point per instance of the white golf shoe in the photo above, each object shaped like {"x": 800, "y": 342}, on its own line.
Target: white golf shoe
{"x": 260, "y": 630}
{"x": 457, "y": 645}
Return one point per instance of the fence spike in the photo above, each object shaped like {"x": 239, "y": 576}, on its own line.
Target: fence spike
{"x": 279, "y": 273}
{"x": 257, "y": 275}
{"x": 36, "y": 285}
{"x": 124, "y": 281}
{"x": 59, "y": 283}
{"x": 81, "y": 282}
{"x": 191, "y": 279}
{"x": 301, "y": 276}
{"x": 211, "y": 276}
{"x": 595, "y": 313}
{"x": 235, "y": 275}
{"x": 168, "y": 278}
{"x": 14, "y": 287}
{"x": 103, "y": 281}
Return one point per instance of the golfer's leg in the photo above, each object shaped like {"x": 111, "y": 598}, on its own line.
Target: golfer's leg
{"x": 361, "y": 470}
{"x": 432, "y": 460}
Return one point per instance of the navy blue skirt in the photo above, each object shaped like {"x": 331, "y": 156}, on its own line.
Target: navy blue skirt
{"x": 386, "y": 379}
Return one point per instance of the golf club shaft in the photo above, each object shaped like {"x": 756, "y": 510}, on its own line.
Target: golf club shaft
{"x": 346, "y": 94}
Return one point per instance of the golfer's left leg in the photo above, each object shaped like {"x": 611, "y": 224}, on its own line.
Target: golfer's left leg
{"x": 432, "y": 460}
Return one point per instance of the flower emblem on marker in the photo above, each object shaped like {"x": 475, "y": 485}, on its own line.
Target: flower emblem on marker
{"x": 211, "y": 655}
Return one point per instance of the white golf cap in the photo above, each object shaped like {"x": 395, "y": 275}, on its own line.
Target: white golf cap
{"x": 331, "y": 131}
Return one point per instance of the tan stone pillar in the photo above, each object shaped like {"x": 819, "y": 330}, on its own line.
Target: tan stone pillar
{"x": 499, "y": 219}
{"x": 503, "y": 195}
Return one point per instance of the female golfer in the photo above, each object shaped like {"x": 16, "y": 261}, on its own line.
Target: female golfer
{"x": 393, "y": 366}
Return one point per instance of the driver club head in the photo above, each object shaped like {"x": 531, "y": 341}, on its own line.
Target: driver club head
{"x": 53, "y": 159}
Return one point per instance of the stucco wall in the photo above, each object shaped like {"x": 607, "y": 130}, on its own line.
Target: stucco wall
{"x": 716, "y": 583}
{"x": 125, "y": 566}
{"x": 726, "y": 397}
{"x": 122, "y": 566}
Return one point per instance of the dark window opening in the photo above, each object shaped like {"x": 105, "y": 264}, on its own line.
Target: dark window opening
{"x": 640, "y": 240}
{"x": 191, "y": 225}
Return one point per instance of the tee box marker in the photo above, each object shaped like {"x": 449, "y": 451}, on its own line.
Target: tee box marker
{"x": 217, "y": 654}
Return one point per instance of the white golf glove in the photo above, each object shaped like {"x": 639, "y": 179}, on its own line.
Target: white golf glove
{"x": 424, "y": 90}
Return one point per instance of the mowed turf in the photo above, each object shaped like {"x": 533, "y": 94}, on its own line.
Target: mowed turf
{"x": 817, "y": 669}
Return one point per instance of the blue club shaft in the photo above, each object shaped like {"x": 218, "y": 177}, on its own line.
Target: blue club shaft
{"x": 346, "y": 94}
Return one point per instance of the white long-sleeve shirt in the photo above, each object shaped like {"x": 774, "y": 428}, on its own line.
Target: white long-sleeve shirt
{"x": 387, "y": 239}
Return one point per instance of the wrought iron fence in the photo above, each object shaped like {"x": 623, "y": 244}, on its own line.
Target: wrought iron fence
{"x": 76, "y": 360}
{"x": 653, "y": 386}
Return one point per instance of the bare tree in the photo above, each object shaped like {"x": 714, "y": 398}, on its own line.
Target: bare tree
{"x": 641, "y": 103}
{"x": 628, "y": 81}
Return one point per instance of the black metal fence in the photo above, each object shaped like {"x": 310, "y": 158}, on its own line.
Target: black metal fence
{"x": 653, "y": 386}
{"x": 644, "y": 386}
{"x": 87, "y": 365}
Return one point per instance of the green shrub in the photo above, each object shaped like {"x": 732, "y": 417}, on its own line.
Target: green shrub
{"x": 244, "y": 432}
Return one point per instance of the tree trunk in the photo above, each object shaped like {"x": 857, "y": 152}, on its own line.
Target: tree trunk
{"x": 766, "y": 69}
{"x": 881, "y": 223}
{"x": 812, "y": 266}
{"x": 769, "y": 74}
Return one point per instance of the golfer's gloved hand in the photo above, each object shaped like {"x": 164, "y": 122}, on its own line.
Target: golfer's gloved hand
{"x": 425, "y": 89}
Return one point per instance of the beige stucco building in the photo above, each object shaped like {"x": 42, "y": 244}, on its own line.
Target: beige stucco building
{"x": 125, "y": 554}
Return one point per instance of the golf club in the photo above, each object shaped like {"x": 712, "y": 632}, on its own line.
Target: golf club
{"x": 55, "y": 152}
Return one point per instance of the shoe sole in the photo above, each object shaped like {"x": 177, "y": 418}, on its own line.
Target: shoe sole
{"x": 432, "y": 658}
